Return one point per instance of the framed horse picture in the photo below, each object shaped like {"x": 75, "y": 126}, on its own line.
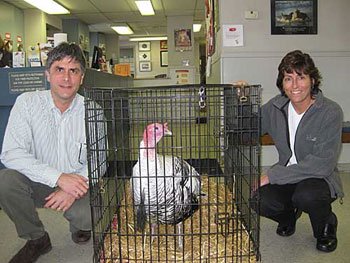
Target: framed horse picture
{"x": 293, "y": 17}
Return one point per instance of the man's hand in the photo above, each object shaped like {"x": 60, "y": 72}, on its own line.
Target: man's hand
{"x": 59, "y": 200}
{"x": 73, "y": 184}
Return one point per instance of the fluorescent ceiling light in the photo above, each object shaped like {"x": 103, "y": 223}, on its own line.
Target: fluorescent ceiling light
{"x": 147, "y": 38}
{"x": 197, "y": 27}
{"x": 48, "y": 6}
{"x": 145, "y": 7}
{"x": 123, "y": 29}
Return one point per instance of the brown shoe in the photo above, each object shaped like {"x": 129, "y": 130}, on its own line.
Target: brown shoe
{"x": 81, "y": 236}
{"x": 32, "y": 250}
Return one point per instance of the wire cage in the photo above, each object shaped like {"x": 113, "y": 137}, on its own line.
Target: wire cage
{"x": 191, "y": 190}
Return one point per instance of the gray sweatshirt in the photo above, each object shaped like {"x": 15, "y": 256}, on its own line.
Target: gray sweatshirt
{"x": 317, "y": 142}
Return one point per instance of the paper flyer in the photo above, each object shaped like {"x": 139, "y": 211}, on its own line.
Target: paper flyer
{"x": 232, "y": 35}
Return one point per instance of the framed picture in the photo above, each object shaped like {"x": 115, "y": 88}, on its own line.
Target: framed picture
{"x": 163, "y": 44}
{"x": 163, "y": 58}
{"x": 144, "y": 46}
{"x": 183, "y": 39}
{"x": 145, "y": 56}
{"x": 145, "y": 66}
{"x": 293, "y": 17}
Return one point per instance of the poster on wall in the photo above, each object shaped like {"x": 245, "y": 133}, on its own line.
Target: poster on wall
{"x": 232, "y": 35}
{"x": 293, "y": 17}
{"x": 145, "y": 46}
{"x": 183, "y": 39}
{"x": 145, "y": 66}
{"x": 163, "y": 58}
{"x": 145, "y": 56}
{"x": 163, "y": 44}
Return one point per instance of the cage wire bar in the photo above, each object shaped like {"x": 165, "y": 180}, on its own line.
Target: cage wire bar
{"x": 215, "y": 128}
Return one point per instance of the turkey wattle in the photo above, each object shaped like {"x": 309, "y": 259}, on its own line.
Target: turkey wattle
{"x": 166, "y": 189}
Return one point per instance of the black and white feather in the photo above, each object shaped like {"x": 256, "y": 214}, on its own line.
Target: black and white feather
{"x": 166, "y": 189}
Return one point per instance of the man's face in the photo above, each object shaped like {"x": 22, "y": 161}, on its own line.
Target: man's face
{"x": 65, "y": 77}
{"x": 298, "y": 89}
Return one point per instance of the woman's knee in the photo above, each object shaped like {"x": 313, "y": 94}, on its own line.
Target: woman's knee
{"x": 311, "y": 193}
{"x": 308, "y": 201}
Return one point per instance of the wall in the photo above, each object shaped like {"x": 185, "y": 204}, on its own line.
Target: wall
{"x": 11, "y": 21}
{"x": 54, "y": 21}
{"x": 112, "y": 44}
{"x": 175, "y": 23}
{"x": 156, "y": 69}
{"x": 77, "y": 32}
{"x": 34, "y": 27}
{"x": 258, "y": 59}
{"x": 333, "y": 23}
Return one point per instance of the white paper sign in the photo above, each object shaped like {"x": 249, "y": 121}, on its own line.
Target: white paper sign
{"x": 232, "y": 35}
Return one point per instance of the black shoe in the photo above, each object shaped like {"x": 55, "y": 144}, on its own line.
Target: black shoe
{"x": 81, "y": 236}
{"x": 328, "y": 241}
{"x": 32, "y": 250}
{"x": 288, "y": 230}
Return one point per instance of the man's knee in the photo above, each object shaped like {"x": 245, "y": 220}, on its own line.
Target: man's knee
{"x": 79, "y": 215}
{"x": 10, "y": 179}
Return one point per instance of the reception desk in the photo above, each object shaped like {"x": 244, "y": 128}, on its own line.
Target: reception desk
{"x": 14, "y": 81}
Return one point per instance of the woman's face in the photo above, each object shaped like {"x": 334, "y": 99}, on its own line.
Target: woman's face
{"x": 297, "y": 87}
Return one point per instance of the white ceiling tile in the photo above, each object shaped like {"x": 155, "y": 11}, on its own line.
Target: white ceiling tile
{"x": 100, "y": 14}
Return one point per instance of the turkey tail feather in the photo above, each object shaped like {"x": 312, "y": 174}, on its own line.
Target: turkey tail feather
{"x": 141, "y": 214}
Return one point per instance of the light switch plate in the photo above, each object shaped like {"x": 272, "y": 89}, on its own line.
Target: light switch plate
{"x": 251, "y": 14}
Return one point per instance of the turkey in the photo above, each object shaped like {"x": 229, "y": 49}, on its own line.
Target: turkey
{"x": 166, "y": 189}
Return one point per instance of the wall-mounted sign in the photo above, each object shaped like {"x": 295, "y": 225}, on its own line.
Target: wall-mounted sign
{"x": 26, "y": 81}
{"x": 232, "y": 35}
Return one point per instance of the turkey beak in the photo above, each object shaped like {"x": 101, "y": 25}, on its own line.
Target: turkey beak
{"x": 167, "y": 132}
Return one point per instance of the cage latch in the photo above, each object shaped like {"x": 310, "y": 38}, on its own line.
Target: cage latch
{"x": 202, "y": 98}
{"x": 101, "y": 186}
{"x": 223, "y": 221}
{"x": 243, "y": 93}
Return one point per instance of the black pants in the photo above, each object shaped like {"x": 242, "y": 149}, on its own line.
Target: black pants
{"x": 312, "y": 196}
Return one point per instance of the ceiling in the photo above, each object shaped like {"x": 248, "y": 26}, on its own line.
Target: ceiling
{"x": 100, "y": 14}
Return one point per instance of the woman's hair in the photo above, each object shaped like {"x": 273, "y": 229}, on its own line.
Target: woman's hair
{"x": 64, "y": 50}
{"x": 301, "y": 63}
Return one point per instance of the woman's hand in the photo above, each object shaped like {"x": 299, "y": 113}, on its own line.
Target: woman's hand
{"x": 264, "y": 180}
{"x": 241, "y": 83}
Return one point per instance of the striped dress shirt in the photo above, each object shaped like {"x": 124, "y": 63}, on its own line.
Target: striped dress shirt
{"x": 41, "y": 142}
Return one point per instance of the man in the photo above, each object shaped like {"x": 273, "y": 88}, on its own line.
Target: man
{"x": 44, "y": 151}
{"x": 306, "y": 128}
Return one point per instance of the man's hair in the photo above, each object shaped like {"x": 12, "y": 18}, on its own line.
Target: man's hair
{"x": 301, "y": 63}
{"x": 64, "y": 50}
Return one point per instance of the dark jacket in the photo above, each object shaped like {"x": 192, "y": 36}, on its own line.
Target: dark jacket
{"x": 317, "y": 142}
